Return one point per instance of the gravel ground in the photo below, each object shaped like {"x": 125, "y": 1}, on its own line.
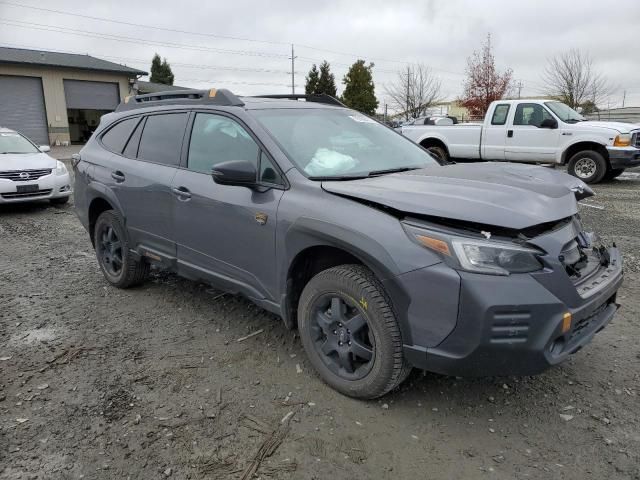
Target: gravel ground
{"x": 154, "y": 382}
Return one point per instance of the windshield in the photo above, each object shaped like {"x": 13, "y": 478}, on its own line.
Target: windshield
{"x": 564, "y": 112}
{"x": 11, "y": 142}
{"x": 340, "y": 143}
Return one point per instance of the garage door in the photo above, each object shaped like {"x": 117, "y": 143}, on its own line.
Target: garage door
{"x": 91, "y": 95}
{"x": 22, "y": 107}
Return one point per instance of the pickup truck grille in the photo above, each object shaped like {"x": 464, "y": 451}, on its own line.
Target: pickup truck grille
{"x": 635, "y": 139}
{"x": 24, "y": 175}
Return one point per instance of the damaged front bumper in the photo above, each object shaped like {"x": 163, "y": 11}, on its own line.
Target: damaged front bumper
{"x": 516, "y": 325}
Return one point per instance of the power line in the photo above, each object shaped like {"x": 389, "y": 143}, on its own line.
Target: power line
{"x": 125, "y": 39}
{"x": 139, "y": 25}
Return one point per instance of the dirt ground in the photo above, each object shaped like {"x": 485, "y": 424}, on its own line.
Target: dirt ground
{"x": 153, "y": 382}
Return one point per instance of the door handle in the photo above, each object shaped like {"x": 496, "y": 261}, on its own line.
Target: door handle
{"x": 510, "y": 133}
{"x": 118, "y": 176}
{"x": 182, "y": 192}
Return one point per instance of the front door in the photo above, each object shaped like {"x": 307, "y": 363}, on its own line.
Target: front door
{"x": 226, "y": 234}
{"x": 526, "y": 139}
{"x": 494, "y": 133}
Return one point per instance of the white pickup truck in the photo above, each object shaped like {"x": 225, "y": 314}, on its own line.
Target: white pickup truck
{"x": 536, "y": 131}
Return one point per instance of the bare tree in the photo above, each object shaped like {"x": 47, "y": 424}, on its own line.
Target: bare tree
{"x": 414, "y": 91}
{"x": 571, "y": 78}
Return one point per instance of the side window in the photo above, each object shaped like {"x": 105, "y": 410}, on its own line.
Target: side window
{"x": 117, "y": 136}
{"x": 500, "y": 115}
{"x": 530, "y": 114}
{"x": 131, "y": 150}
{"x": 216, "y": 139}
{"x": 161, "y": 140}
{"x": 268, "y": 172}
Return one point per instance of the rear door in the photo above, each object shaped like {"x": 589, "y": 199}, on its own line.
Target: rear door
{"x": 526, "y": 140}
{"x": 494, "y": 133}
{"x": 141, "y": 175}
{"x": 226, "y": 234}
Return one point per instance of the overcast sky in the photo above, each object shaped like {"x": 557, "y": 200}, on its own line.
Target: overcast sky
{"x": 438, "y": 33}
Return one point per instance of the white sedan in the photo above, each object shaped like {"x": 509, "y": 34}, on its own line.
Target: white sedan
{"x": 27, "y": 173}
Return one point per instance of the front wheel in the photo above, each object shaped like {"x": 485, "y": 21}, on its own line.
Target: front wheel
{"x": 438, "y": 152}
{"x": 588, "y": 165}
{"x": 350, "y": 333}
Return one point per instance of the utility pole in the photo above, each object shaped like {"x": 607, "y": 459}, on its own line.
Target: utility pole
{"x": 408, "y": 87}
{"x": 624, "y": 97}
{"x": 385, "y": 113}
{"x": 519, "y": 86}
{"x": 293, "y": 70}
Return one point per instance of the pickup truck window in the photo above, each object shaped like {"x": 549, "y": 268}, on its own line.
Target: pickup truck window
{"x": 564, "y": 112}
{"x": 531, "y": 114}
{"x": 500, "y": 114}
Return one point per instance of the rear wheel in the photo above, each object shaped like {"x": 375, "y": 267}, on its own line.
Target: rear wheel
{"x": 439, "y": 152}
{"x": 116, "y": 261}
{"x": 350, "y": 333}
{"x": 588, "y": 165}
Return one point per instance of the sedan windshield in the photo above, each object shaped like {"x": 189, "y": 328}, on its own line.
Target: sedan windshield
{"x": 341, "y": 143}
{"x": 11, "y": 142}
{"x": 564, "y": 112}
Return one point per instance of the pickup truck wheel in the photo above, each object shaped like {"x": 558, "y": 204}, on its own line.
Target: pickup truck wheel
{"x": 588, "y": 165}
{"x": 350, "y": 333}
{"x": 116, "y": 261}
{"x": 439, "y": 152}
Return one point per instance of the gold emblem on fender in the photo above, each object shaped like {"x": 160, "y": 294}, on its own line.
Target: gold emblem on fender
{"x": 261, "y": 218}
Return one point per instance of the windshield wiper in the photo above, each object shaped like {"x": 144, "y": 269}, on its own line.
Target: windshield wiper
{"x": 373, "y": 173}
{"x": 338, "y": 177}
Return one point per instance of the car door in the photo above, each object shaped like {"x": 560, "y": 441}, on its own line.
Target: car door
{"x": 526, "y": 139}
{"x": 494, "y": 133}
{"x": 226, "y": 234}
{"x": 141, "y": 178}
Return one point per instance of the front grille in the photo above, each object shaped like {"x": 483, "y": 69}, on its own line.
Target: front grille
{"x": 635, "y": 139}
{"x": 510, "y": 327}
{"x": 14, "y": 195}
{"x": 25, "y": 175}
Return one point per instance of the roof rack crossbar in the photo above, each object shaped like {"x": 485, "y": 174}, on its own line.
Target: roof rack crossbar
{"x": 221, "y": 97}
{"x": 314, "y": 97}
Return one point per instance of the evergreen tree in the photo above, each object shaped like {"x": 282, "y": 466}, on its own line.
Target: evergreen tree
{"x": 161, "y": 71}
{"x": 359, "y": 90}
{"x": 312, "y": 81}
{"x": 327, "y": 82}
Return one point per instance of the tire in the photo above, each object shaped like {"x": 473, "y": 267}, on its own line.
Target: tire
{"x": 588, "y": 165}
{"x": 613, "y": 173}
{"x": 439, "y": 152}
{"x": 116, "y": 261}
{"x": 59, "y": 201}
{"x": 330, "y": 344}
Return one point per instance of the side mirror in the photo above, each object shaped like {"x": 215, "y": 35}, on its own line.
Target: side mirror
{"x": 44, "y": 148}
{"x": 235, "y": 172}
{"x": 551, "y": 123}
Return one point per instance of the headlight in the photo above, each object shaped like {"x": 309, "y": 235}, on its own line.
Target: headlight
{"x": 61, "y": 169}
{"x": 477, "y": 255}
{"x": 622, "y": 140}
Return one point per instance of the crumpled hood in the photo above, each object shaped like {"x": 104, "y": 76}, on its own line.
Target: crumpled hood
{"x": 505, "y": 195}
{"x": 25, "y": 161}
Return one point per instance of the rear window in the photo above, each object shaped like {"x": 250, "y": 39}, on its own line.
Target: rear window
{"x": 117, "y": 136}
{"x": 161, "y": 140}
{"x": 500, "y": 115}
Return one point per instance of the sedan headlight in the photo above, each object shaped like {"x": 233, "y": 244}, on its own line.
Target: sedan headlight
{"x": 478, "y": 255}
{"x": 622, "y": 140}
{"x": 61, "y": 168}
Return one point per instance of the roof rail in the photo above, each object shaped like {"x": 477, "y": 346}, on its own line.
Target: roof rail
{"x": 181, "y": 97}
{"x": 314, "y": 97}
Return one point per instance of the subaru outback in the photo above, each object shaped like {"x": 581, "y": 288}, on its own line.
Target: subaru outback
{"x": 383, "y": 257}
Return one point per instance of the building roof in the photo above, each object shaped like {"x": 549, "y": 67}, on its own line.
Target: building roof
{"x": 152, "y": 87}
{"x": 43, "y": 58}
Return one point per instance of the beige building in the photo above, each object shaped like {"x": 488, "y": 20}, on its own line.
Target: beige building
{"x": 54, "y": 98}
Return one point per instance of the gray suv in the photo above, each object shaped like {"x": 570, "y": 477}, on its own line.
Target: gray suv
{"x": 383, "y": 257}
